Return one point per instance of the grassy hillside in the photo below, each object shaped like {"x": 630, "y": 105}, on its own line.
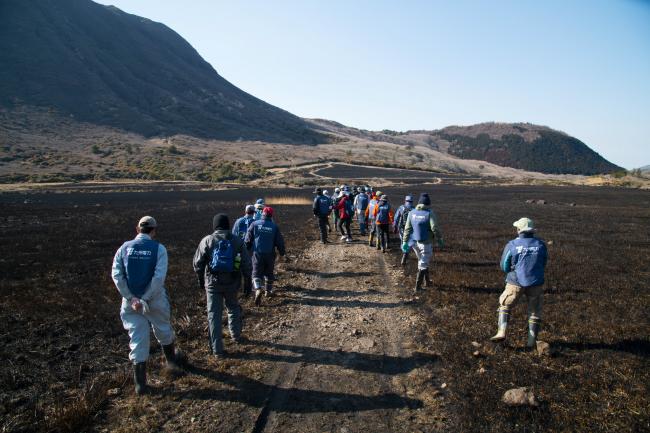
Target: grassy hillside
{"x": 104, "y": 66}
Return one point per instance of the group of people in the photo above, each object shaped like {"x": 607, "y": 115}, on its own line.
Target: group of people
{"x": 523, "y": 260}
{"x": 246, "y": 250}
{"x": 417, "y": 226}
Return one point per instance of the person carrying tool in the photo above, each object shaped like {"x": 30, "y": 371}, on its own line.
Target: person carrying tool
{"x": 239, "y": 229}
{"x": 264, "y": 238}
{"x": 420, "y": 232}
{"x": 322, "y": 208}
{"x": 219, "y": 262}
{"x": 139, "y": 271}
{"x": 523, "y": 260}
{"x": 400, "y": 222}
{"x": 383, "y": 221}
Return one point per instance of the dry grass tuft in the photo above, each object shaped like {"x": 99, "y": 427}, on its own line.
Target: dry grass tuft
{"x": 288, "y": 200}
{"x": 73, "y": 415}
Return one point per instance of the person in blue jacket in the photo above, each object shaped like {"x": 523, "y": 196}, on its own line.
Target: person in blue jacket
{"x": 360, "y": 205}
{"x": 264, "y": 237}
{"x": 322, "y": 208}
{"x": 139, "y": 271}
{"x": 239, "y": 229}
{"x": 399, "y": 222}
{"x": 523, "y": 260}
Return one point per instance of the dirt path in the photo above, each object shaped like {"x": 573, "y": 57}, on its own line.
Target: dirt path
{"x": 350, "y": 365}
{"x": 334, "y": 351}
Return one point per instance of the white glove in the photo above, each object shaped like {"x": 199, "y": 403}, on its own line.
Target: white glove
{"x": 145, "y": 306}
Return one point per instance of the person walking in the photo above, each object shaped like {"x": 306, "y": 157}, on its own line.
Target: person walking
{"x": 401, "y": 215}
{"x": 329, "y": 226}
{"x": 524, "y": 261}
{"x": 139, "y": 271}
{"x": 219, "y": 262}
{"x": 264, "y": 238}
{"x": 335, "y": 200}
{"x": 259, "y": 207}
{"x": 370, "y": 217}
{"x": 239, "y": 229}
{"x": 345, "y": 208}
{"x": 421, "y": 230}
{"x": 383, "y": 221}
{"x": 360, "y": 206}
{"x": 322, "y": 208}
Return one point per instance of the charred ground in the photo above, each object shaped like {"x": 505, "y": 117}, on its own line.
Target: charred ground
{"x": 63, "y": 347}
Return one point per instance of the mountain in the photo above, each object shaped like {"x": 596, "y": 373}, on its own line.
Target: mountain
{"x": 106, "y": 67}
{"x": 517, "y": 145}
{"x": 645, "y": 169}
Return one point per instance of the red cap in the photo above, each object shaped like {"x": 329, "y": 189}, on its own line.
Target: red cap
{"x": 268, "y": 211}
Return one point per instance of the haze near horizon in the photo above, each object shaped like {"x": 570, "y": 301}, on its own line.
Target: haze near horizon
{"x": 581, "y": 68}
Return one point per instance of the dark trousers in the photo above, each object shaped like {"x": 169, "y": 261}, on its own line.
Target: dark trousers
{"x": 345, "y": 222}
{"x": 383, "y": 235}
{"x": 323, "y": 222}
{"x": 216, "y": 300}
{"x": 263, "y": 265}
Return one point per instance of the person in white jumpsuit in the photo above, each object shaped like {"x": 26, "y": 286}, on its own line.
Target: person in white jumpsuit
{"x": 139, "y": 271}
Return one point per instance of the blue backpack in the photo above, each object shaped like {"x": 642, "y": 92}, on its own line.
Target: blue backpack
{"x": 223, "y": 257}
{"x": 349, "y": 207}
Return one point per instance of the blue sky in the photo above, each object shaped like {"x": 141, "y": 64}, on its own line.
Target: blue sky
{"x": 579, "y": 66}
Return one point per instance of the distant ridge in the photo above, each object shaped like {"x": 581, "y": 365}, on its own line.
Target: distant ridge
{"x": 518, "y": 145}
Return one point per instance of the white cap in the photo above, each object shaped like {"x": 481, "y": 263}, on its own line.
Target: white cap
{"x": 524, "y": 225}
{"x": 147, "y": 221}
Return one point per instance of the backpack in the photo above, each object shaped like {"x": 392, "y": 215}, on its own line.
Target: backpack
{"x": 324, "y": 205}
{"x": 223, "y": 257}
{"x": 404, "y": 217}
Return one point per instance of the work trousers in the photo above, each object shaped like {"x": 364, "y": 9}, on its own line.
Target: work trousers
{"x": 513, "y": 293}
{"x": 345, "y": 222}
{"x": 263, "y": 266}
{"x": 216, "y": 301}
{"x": 383, "y": 235}
{"x": 139, "y": 324}
{"x": 424, "y": 253}
{"x": 323, "y": 222}
{"x": 361, "y": 219}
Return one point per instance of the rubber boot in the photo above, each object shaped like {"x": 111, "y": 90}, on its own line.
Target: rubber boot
{"x": 427, "y": 280}
{"x": 534, "y": 326}
{"x": 140, "y": 378}
{"x": 248, "y": 285}
{"x": 371, "y": 238}
{"x": 257, "y": 284}
{"x": 268, "y": 290}
{"x": 504, "y": 315}
{"x": 171, "y": 356}
{"x": 419, "y": 280}
{"x": 404, "y": 258}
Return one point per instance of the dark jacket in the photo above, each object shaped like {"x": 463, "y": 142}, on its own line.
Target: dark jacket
{"x": 264, "y": 237}
{"x": 222, "y": 281}
{"x": 322, "y": 205}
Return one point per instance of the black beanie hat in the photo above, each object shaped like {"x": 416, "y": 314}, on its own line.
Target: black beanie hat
{"x": 424, "y": 199}
{"x": 220, "y": 222}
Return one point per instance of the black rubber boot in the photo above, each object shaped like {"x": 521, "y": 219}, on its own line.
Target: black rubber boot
{"x": 171, "y": 357}
{"x": 268, "y": 290}
{"x": 404, "y": 258}
{"x": 419, "y": 280}
{"x": 248, "y": 285}
{"x": 427, "y": 280}
{"x": 140, "y": 378}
